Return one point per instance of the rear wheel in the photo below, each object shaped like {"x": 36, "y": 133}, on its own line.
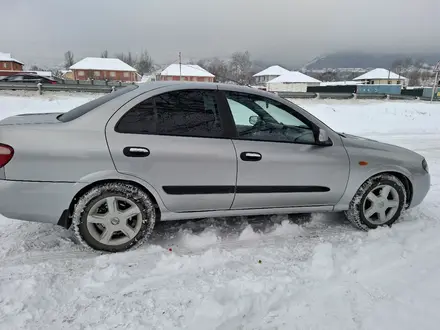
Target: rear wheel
{"x": 378, "y": 202}
{"x": 113, "y": 217}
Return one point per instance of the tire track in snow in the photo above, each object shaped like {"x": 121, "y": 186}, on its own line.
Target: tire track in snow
{"x": 307, "y": 237}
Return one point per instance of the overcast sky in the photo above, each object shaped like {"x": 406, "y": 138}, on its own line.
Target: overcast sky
{"x": 40, "y": 31}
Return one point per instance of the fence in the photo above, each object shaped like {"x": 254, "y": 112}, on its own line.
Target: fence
{"x": 321, "y": 92}
{"x": 91, "y": 86}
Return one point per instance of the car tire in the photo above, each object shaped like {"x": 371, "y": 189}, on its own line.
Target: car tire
{"x": 379, "y": 202}
{"x": 113, "y": 217}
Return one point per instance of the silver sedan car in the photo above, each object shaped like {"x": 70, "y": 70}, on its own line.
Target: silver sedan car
{"x": 113, "y": 167}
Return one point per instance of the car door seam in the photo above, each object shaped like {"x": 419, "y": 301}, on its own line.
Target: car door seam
{"x": 236, "y": 174}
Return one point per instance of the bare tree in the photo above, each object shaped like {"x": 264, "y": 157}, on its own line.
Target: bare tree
{"x": 201, "y": 63}
{"x": 104, "y": 54}
{"x": 130, "y": 60}
{"x": 414, "y": 78}
{"x": 328, "y": 76}
{"x": 126, "y": 58}
{"x": 219, "y": 69}
{"x": 121, "y": 56}
{"x": 36, "y": 68}
{"x": 57, "y": 73}
{"x": 407, "y": 62}
{"x": 145, "y": 63}
{"x": 68, "y": 59}
{"x": 396, "y": 64}
{"x": 240, "y": 67}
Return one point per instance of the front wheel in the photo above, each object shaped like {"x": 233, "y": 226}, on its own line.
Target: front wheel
{"x": 378, "y": 202}
{"x": 113, "y": 217}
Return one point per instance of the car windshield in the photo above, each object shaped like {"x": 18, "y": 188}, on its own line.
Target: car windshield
{"x": 89, "y": 106}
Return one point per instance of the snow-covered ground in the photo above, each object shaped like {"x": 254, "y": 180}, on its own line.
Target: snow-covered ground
{"x": 239, "y": 273}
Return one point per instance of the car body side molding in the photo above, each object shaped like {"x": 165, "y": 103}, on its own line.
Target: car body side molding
{"x": 201, "y": 190}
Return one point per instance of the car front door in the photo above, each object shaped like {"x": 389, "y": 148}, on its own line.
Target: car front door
{"x": 279, "y": 162}
{"x": 175, "y": 141}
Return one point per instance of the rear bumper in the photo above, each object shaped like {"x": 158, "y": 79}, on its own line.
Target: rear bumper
{"x": 35, "y": 201}
{"x": 421, "y": 185}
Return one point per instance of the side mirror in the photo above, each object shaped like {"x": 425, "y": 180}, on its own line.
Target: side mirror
{"x": 253, "y": 120}
{"x": 322, "y": 138}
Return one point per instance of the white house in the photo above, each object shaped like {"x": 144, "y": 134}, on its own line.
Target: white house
{"x": 293, "y": 81}
{"x": 381, "y": 76}
{"x": 186, "y": 72}
{"x": 104, "y": 68}
{"x": 270, "y": 73}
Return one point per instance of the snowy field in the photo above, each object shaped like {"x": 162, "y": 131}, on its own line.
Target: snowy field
{"x": 239, "y": 273}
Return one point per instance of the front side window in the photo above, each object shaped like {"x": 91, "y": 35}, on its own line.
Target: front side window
{"x": 183, "y": 113}
{"x": 264, "y": 119}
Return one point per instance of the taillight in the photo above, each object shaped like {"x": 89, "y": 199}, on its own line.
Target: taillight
{"x": 6, "y": 153}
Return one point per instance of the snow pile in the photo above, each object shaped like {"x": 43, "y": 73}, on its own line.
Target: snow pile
{"x": 250, "y": 273}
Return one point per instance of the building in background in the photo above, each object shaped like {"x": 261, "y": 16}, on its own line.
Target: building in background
{"x": 9, "y": 65}
{"x": 67, "y": 74}
{"x": 382, "y": 77}
{"x": 292, "y": 81}
{"x": 268, "y": 74}
{"x": 186, "y": 72}
{"x": 104, "y": 69}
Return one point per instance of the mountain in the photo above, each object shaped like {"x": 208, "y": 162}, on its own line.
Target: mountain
{"x": 366, "y": 60}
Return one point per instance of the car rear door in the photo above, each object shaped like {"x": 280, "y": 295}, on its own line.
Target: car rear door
{"x": 279, "y": 163}
{"x": 175, "y": 141}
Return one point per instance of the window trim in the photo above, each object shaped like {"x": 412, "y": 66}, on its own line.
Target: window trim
{"x": 85, "y": 108}
{"x": 235, "y": 135}
{"x": 228, "y": 130}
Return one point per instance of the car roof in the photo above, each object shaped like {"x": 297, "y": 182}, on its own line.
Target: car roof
{"x": 25, "y": 73}
{"x": 147, "y": 86}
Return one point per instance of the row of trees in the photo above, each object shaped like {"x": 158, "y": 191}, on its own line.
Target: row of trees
{"x": 417, "y": 72}
{"x": 239, "y": 67}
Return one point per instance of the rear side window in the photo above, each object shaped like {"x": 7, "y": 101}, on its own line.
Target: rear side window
{"x": 182, "y": 113}
{"x": 89, "y": 106}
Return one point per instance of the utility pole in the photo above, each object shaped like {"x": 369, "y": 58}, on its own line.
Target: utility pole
{"x": 180, "y": 65}
{"x": 436, "y": 70}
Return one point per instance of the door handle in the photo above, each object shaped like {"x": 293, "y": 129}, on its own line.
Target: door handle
{"x": 136, "y": 152}
{"x": 250, "y": 156}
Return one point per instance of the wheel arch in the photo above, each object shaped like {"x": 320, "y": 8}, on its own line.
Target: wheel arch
{"x": 68, "y": 222}
{"x": 402, "y": 178}
{"x": 343, "y": 204}
{"x": 407, "y": 184}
